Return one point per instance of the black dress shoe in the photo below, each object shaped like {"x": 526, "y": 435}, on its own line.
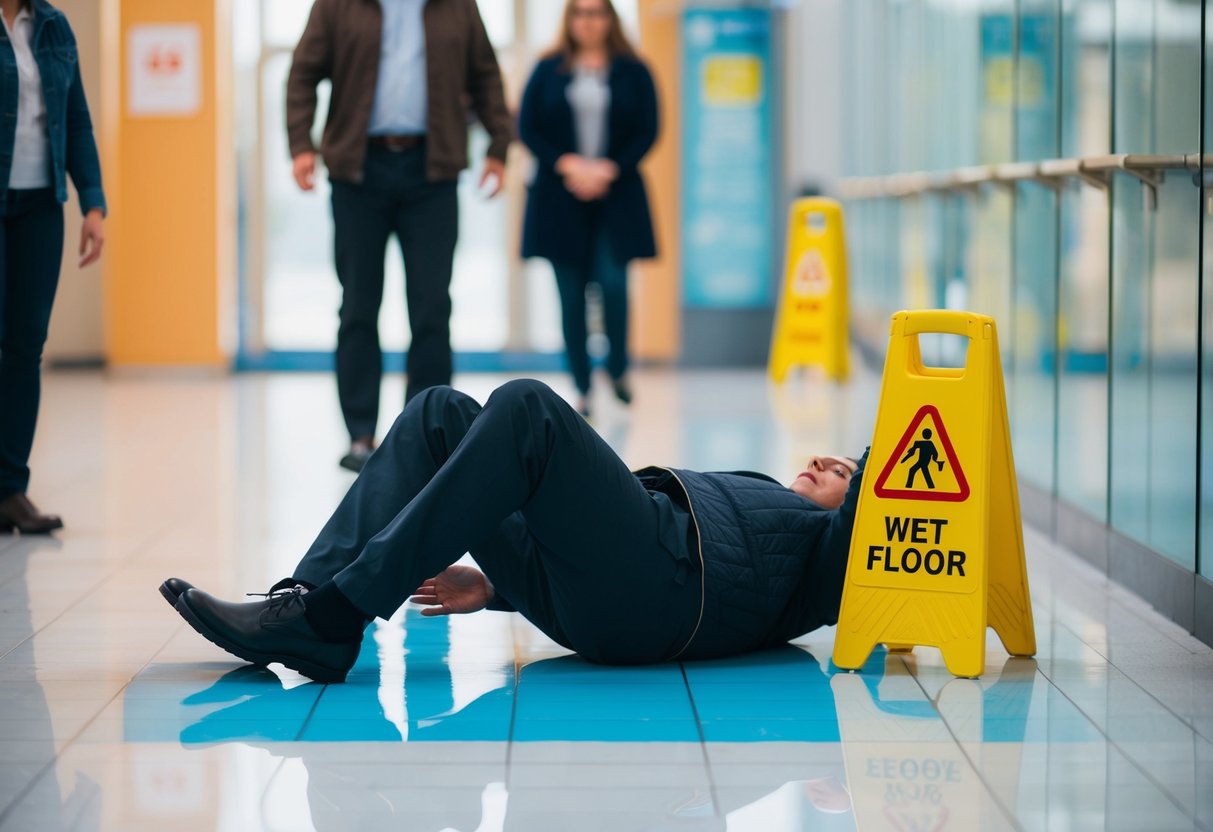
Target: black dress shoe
{"x": 18, "y": 513}
{"x": 274, "y": 630}
{"x": 360, "y": 451}
{"x": 623, "y": 390}
{"x": 174, "y": 588}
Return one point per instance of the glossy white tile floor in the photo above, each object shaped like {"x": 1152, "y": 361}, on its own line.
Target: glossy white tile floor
{"x": 114, "y": 715}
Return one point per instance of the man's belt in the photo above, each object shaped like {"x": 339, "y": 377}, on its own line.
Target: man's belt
{"x": 398, "y": 144}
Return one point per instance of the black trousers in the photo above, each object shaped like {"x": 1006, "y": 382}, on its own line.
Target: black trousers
{"x": 31, "y": 249}
{"x": 393, "y": 198}
{"x": 561, "y": 527}
{"x": 601, "y": 266}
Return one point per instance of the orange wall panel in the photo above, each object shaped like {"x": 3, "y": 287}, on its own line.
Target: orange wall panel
{"x": 656, "y": 304}
{"x": 168, "y": 256}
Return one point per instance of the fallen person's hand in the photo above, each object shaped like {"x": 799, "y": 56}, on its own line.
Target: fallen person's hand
{"x": 459, "y": 589}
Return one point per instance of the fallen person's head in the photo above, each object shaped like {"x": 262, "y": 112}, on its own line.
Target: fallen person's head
{"x": 825, "y": 480}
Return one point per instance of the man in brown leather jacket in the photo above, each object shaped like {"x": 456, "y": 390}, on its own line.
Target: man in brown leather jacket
{"x": 403, "y": 73}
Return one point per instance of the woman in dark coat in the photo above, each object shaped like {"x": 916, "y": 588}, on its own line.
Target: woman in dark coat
{"x": 589, "y": 115}
{"x": 621, "y": 567}
{"x": 46, "y": 137}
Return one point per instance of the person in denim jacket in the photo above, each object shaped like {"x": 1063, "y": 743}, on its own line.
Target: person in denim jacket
{"x": 46, "y": 135}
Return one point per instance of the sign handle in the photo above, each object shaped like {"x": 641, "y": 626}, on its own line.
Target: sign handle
{"x": 943, "y": 321}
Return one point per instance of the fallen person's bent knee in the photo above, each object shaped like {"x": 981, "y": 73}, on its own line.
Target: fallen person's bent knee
{"x": 522, "y": 389}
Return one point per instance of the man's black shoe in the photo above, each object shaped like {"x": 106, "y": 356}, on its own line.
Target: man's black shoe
{"x": 174, "y": 588}
{"x": 273, "y": 630}
{"x": 360, "y": 451}
{"x": 623, "y": 390}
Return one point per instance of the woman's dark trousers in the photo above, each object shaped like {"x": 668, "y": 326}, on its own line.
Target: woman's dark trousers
{"x": 31, "y": 249}
{"x": 600, "y": 266}
{"x": 566, "y": 534}
{"x": 394, "y": 198}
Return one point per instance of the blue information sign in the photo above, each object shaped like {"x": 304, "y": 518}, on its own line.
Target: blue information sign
{"x": 727, "y": 173}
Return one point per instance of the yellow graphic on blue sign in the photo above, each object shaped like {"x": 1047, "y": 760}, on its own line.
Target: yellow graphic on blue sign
{"x": 923, "y": 567}
{"x": 732, "y": 80}
{"x": 811, "y": 323}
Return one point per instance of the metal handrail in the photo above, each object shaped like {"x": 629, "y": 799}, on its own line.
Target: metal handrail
{"x": 1202, "y": 176}
{"x": 1096, "y": 171}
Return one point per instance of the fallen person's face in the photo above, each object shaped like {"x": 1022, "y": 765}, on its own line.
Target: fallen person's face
{"x": 826, "y": 479}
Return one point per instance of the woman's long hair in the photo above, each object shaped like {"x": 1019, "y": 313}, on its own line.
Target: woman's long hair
{"x": 617, "y": 42}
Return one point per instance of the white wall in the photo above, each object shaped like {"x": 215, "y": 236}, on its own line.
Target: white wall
{"x": 76, "y": 331}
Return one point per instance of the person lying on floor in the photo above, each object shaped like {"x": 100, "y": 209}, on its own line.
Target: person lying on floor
{"x": 620, "y": 567}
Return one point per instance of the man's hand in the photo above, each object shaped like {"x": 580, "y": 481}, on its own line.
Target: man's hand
{"x": 92, "y": 237}
{"x": 304, "y": 170}
{"x": 459, "y": 589}
{"x": 494, "y": 169}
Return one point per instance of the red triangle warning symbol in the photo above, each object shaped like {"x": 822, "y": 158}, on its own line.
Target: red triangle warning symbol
{"x": 917, "y": 470}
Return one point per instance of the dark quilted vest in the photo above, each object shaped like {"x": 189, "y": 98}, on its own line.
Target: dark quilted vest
{"x": 760, "y": 542}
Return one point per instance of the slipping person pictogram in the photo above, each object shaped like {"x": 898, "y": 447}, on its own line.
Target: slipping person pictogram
{"x": 927, "y": 453}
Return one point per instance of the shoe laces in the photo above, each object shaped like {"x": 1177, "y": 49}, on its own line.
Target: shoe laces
{"x": 281, "y": 600}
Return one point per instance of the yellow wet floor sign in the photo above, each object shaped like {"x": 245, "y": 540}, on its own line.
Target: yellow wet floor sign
{"x": 937, "y": 549}
{"x": 811, "y": 324}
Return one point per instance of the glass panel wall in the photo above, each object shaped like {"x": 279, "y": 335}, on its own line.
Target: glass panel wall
{"x": 1095, "y": 283}
{"x": 989, "y": 258}
{"x": 1155, "y": 309}
{"x": 872, "y": 225}
{"x": 1205, "y": 177}
{"x": 1033, "y": 331}
{"x": 1129, "y": 409}
{"x": 1082, "y": 323}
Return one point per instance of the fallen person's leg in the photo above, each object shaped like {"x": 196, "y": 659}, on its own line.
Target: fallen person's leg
{"x": 566, "y": 534}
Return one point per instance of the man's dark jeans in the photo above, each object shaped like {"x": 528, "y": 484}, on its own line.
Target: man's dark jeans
{"x": 31, "y": 249}
{"x": 564, "y": 531}
{"x": 393, "y": 198}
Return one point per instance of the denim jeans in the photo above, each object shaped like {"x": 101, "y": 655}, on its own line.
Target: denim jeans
{"x": 600, "y": 266}
{"x": 31, "y": 249}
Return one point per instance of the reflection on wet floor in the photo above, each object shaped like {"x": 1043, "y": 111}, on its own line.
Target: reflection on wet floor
{"x": 867, "y": 750}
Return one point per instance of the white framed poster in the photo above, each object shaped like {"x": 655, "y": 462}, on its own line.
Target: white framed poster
{"x": 164, "y": 70}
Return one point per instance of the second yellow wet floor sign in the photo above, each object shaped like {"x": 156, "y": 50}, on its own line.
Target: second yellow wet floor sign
{"x": 811, "y": 322}
{"x": 937, "y": 550}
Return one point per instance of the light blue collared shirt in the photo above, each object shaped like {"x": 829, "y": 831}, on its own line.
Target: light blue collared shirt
{"x": 400, "y": 94}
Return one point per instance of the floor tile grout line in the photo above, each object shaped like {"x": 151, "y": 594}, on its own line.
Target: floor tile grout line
{"x": 83, "y": 728}
{"x": 703, "y": 743}
{"x": 1187, "y": 723}
{"x": 1007, "y": 811}
{"x": 1141, "y": 616}
{"x": 310, "y": 713}
{"x": 1106, "y": 590}
{"x": 118, "y": 569}
{"x": 509, "y": 742}
{"x": 1132, "y": 760}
